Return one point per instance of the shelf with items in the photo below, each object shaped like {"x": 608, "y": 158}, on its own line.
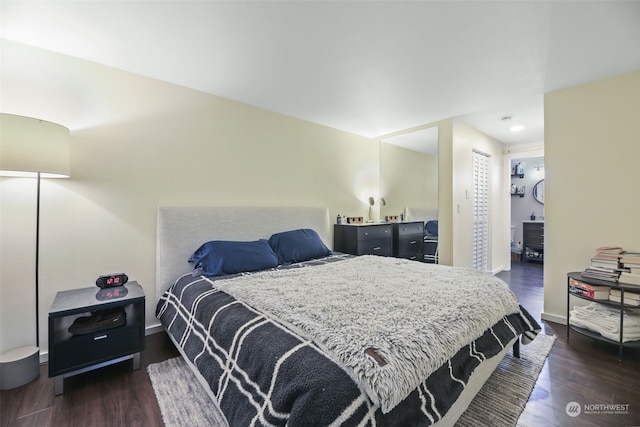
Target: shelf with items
{"x": 518, "y": 190}
{"x": 577, "y": 279}
{"x": 533, "y": 254}
{"x": 533, "y": 241}
{"x": 517, "y": 170}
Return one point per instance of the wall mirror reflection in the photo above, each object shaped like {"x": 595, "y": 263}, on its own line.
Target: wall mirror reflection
{"x": 538, "y": 191}
{"x": 409, "y": 179}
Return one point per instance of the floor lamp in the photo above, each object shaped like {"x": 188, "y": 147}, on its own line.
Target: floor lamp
{"x": 30, "y": 148}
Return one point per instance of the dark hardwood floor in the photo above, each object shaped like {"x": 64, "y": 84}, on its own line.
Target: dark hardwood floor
{"x": 579, "y": 370}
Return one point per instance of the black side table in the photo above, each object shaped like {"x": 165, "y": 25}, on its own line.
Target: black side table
{"x": 71, "y": 354}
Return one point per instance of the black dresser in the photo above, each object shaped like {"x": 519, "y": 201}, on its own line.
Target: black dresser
{"x": 363, "y": 239}
{"x": 407, "y": 240}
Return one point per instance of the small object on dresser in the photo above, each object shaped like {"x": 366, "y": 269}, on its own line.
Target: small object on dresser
{"x": 339, "y": 220}
{"x": 355, "y": 220}
{"x": 113, "y": 279}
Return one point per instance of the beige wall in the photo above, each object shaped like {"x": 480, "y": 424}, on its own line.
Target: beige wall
{"x": 592, "y": 181}
{"x": 407, "y": 178}
{"x": 146, "y": 144}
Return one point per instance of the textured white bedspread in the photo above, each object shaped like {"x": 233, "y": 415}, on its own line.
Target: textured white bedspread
{"x": 415, "y": 316}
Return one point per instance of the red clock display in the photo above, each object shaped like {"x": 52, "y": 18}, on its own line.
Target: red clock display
{"x": 111, "y": 280}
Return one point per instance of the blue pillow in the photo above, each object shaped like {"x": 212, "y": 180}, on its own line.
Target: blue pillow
{"x": 222, "y": 257}
{"x": 298, "y": 245}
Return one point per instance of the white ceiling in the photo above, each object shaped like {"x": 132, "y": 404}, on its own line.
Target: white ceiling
{"x": 371, "y": 68}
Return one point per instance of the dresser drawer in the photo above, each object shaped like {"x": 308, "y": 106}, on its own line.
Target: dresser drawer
{"x": 374, "y": 232}
{"x": 407, "y": 240}
{"x": 363, "y": 239}
{"x": 380, "y": 247}
{"x": 409, "y": 247}
{"x": 410, "y": 229}
{"x": 78, "y": 352}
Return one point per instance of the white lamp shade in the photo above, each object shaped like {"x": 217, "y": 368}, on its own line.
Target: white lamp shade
{"x": 28, "y": 146}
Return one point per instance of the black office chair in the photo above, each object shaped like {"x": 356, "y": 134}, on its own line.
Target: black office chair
{"x": 430, "y": 245}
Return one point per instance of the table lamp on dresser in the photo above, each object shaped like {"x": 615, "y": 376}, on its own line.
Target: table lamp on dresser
{"x": 30, "y": 148}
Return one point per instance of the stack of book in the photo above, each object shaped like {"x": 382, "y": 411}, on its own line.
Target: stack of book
{"x": 585, "y": 290}
{"x": 605, "y": 264}
{"x": 630, "y": 273}
{"x": 630, "y": 298}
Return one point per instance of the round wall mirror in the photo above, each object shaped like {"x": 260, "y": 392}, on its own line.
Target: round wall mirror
{"x": 538, "y": 191}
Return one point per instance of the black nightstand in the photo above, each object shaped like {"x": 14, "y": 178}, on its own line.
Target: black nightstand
{"x": 74, "y": 354}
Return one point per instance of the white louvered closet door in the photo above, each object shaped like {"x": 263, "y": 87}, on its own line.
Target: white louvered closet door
{"x": 480, "y": 210}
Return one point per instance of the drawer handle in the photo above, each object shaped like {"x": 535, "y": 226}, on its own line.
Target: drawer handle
{"x": 413, "y": 242}
{"x": 377, "y": 248}
{"x": 100, "y": 337}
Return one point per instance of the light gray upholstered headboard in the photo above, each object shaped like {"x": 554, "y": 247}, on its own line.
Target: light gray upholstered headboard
{"x": 181, "y": 230}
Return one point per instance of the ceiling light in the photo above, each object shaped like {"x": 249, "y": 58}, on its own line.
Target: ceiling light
{"x": 516, "y": 128}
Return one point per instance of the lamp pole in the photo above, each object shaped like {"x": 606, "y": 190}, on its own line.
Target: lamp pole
{"x": 37, "y": 261}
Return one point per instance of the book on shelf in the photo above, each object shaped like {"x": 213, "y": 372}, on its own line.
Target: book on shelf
{"x": 631, "y": 278}
{"x": 594, "y": 295}
{"x": 630, "y": 258}
{"x": 609, "y": 250}
{"x": 628, "y": 295}
{"x": 604, "y": 262}
{"x": 609, "y": 257}
{"x": 602, "y": 273}
{"x": 586, "y": 290}
{"x": 587, "y": 286}
{"x": 627, "y": 301}
{"x": 630, "y": 265}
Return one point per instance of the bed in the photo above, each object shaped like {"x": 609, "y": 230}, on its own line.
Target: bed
{"x": 309, "y": 341}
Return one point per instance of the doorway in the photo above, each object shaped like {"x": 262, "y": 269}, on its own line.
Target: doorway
{"x": 523, "y": 170}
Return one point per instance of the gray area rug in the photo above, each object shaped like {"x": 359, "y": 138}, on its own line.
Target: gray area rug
{"x": 499, "y": 403}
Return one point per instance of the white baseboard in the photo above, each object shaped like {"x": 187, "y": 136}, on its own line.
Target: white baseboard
{"x": 153, "y": 329}
{"x": 554, "y": 318}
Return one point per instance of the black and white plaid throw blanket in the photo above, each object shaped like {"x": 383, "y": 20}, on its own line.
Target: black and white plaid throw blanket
{"x": 263, "y": 373}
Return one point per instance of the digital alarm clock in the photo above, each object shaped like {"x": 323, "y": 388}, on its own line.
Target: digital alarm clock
{"x": 111, "y": 280}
